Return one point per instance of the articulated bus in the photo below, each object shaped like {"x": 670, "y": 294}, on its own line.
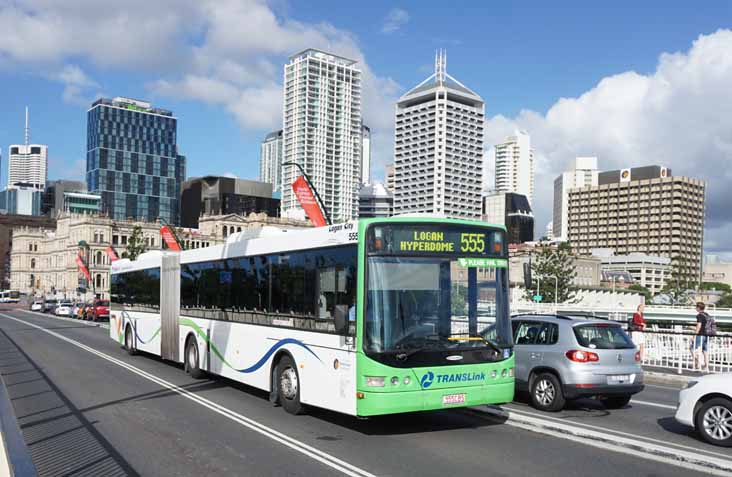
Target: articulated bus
{"x": 366, "y": 318}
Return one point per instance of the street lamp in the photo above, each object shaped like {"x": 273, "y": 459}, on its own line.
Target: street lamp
{"x": 312, "y": 187}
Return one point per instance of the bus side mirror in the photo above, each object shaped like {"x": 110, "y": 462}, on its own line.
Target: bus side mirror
{"x": 341, "y": 319}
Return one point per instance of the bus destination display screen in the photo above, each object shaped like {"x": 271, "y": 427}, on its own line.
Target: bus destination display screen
{"x": 420, "y": 239}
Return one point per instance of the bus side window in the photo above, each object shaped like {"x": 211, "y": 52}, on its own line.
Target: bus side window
{"x": 326, "y": 292}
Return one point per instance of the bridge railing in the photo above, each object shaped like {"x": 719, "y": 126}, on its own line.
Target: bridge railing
{"x": 676, "y": 350}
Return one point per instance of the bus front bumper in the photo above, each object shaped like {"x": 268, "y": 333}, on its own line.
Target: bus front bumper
{"x": 379, "y": 403}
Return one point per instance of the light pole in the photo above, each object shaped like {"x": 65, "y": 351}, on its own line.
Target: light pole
{"x": 312, "y": 187}
{"x": 556, "y": 292}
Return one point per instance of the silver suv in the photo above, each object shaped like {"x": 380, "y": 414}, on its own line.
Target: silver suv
{"x": 559, "y": 358}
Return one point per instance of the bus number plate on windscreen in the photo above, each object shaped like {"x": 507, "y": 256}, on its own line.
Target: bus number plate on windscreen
{"x": 450, "y": 399}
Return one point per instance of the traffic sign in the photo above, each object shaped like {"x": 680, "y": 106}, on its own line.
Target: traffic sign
{"x": 538, "y": 297}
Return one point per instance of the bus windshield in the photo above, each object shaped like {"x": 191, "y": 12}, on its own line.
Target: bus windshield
{"x": 436, "y": 304}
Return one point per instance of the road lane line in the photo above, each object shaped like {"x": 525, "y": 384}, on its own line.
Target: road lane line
{"x": 299, "y": 446}
{"x": 638, "y": 449}
{"x": 607, "y": 430}
{"x": 654, "y": 404}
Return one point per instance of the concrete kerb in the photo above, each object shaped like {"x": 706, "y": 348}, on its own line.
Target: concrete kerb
{"x": 655, "y": 377}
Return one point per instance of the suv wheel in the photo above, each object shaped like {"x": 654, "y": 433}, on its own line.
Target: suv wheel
{"x": 546, "y": 393}
{"x": 714, "y": 422}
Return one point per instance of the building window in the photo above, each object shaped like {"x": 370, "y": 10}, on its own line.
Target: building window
{"x": 33, "y": 263}
{"x": 226, "y": 231}
{"x": 98, "y": 280}
{"x": 30, "y": 247}
{"x": 99, "y": 258}
{"x": 115, "y": 239}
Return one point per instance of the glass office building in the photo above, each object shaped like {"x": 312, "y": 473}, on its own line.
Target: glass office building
{"x": 132, "y": 160}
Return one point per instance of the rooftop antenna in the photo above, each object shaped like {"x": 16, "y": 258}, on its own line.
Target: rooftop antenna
{"x": 27, "y": 128}
{"x": 440, "y": 65}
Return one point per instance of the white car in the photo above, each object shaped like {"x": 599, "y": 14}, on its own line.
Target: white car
{"x": 64, "y": 309}
{"x": 706, "y": 405}
{"x": 37, "y": 306}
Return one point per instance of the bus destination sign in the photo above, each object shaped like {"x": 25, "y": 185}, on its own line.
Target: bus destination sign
{"x": 421, "y": 240}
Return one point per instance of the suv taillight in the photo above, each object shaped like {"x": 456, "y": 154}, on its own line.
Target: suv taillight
{"x": 579, "y": 356}
{"x": 637, "y": 357}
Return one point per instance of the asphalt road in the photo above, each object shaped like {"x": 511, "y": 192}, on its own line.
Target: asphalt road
{"x": 87, "y": 408}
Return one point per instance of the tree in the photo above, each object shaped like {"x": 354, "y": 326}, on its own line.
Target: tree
{"x": 135, "y": 244}
{"x": 458, "y": 300}
{"x": 716, "y": 286}
{"x": 642, "y": 290}
{"x": 553, "y": 269}
{"x": 725, "y": 301}
{"x": 679, "y": 282}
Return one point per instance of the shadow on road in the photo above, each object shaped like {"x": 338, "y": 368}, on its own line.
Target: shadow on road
{"x": 60, "y": 438}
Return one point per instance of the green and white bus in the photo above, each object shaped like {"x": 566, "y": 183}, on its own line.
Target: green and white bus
{"x": 370, "y": 317}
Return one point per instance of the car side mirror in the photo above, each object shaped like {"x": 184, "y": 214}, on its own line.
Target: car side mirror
{"x": 341, "y": 319}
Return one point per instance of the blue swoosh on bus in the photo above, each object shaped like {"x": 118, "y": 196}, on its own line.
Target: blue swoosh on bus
{"x": 263, "y": 360}
{"x": 134, "y": 328}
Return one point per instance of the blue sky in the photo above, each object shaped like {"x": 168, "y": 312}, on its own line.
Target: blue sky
{"x": 523, "y": 58}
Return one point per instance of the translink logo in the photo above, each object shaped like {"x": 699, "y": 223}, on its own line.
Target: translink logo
{"x": 429, "y": 378}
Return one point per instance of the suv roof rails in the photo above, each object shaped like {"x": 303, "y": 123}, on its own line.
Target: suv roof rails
{"x": 548, "y": 315}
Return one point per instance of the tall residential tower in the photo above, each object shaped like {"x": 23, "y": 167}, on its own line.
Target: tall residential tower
{"x": 438, "y": 147}
{"x": 270, "y": 160}
{"x": 515, "y": 165}
{"x": 322, "y": 130}
{"x": 28, "y": 163}
{"x": 132, "y": 160}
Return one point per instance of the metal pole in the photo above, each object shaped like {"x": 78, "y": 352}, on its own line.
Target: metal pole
{"x": 312, "y": 186}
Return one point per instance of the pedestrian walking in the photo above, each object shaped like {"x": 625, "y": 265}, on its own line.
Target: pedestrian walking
{"x": 701, "y": 340}
{"x": 638, "y": 326}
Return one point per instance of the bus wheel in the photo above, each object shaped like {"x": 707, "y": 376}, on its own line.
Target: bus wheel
{"x": 192, "y": 360}
{"x": 289, "y": 386}
{"x": 129, "y": 342}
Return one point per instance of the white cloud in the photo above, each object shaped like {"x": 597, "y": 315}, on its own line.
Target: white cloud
{"x": 77, "y": 85}
{"x": 395, "y": 20}
{"x": 679, "y": 116}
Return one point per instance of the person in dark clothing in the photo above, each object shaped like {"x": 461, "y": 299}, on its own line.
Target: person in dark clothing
{"x": 701, "y": 340}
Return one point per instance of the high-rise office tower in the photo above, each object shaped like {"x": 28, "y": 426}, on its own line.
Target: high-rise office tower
{"x": 584, "y": 174}
{"x": 390, "y": 177}
{"x": 641, "y": 210}
{"x": 438, "y": 149}
{"x": 322, "y": 130}
{"x": 515, "y": 165}
{"x": 132, "y": 160}
{"x": 28, "y": 163}
{"x": 365, "y": 154}
{"x": 270, "y": 160}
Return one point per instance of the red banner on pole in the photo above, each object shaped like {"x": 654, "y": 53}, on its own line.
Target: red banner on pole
{"x": 169, "y": 238}
{"x": 307, "y": 200}
{"x": 83, "y": 267}
{"x": 112, "y": 254}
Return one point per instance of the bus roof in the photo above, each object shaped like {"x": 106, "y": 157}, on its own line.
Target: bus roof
{"x": 268, "y": 240}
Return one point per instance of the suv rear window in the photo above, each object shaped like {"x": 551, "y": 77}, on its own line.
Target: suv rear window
{"x": 602, "y": 336}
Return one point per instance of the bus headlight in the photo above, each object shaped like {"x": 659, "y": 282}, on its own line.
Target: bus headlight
{"x": 504, "y": 373}
{"x": 375, "y": 381}
{"x": 494, "y": 373}
{"x": 394, "y": 380}
{"x": 407, "y": 380}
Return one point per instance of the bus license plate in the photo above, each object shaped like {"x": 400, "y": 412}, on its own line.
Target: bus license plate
{"x": 450, "y": 399}
{"x": 618, "y": 379}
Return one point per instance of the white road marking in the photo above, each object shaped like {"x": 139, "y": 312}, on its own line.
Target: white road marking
{"x": 622, "y": 446}
{"x": 608, "y": 431}
{"x": 298, "y": 446}
{"x": 654, "y": 404}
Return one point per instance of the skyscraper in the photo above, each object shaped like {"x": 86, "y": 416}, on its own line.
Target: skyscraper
{"x": 438, "y": 149}
{"x": 515, "y": 165}
{"x": 132, "y": 160}
{"x": 322, "y": 130}
{"x": 270, "y": 160}
{"x": 584, "y": 174}
{"x": 28, "y": 163}
{"x": 365, "y": 154}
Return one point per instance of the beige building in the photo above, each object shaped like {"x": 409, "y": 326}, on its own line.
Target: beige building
{"x": 43, "y": 261}
{"x": 646, "y": 270}
{"x": 641, "y": 210}
{"x": 587, "y": 269}
{"x": 718, "y": 272}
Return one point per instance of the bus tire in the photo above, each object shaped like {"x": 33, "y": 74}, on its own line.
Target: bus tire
{"x": 192, "y": 361}
{"x": 288, "y": 383}
{"x": 130, "y": 341}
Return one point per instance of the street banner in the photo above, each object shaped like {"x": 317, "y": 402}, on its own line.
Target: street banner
{"x": 83, "y": 267}
{"x": 307, "y": 200}
{"x": 169, "y": 238}
{"x": 112, "y": 254}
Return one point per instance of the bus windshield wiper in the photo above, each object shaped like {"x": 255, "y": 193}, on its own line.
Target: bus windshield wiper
{"x": 478, "y": 337}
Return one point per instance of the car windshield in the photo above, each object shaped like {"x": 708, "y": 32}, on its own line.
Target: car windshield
{"x": 103, "y": 303}
{"x": 602, "y": 336}
{"x": 434, "y": 303}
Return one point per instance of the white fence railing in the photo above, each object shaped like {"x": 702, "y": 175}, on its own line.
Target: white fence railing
{"x": 676, "y": 350}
